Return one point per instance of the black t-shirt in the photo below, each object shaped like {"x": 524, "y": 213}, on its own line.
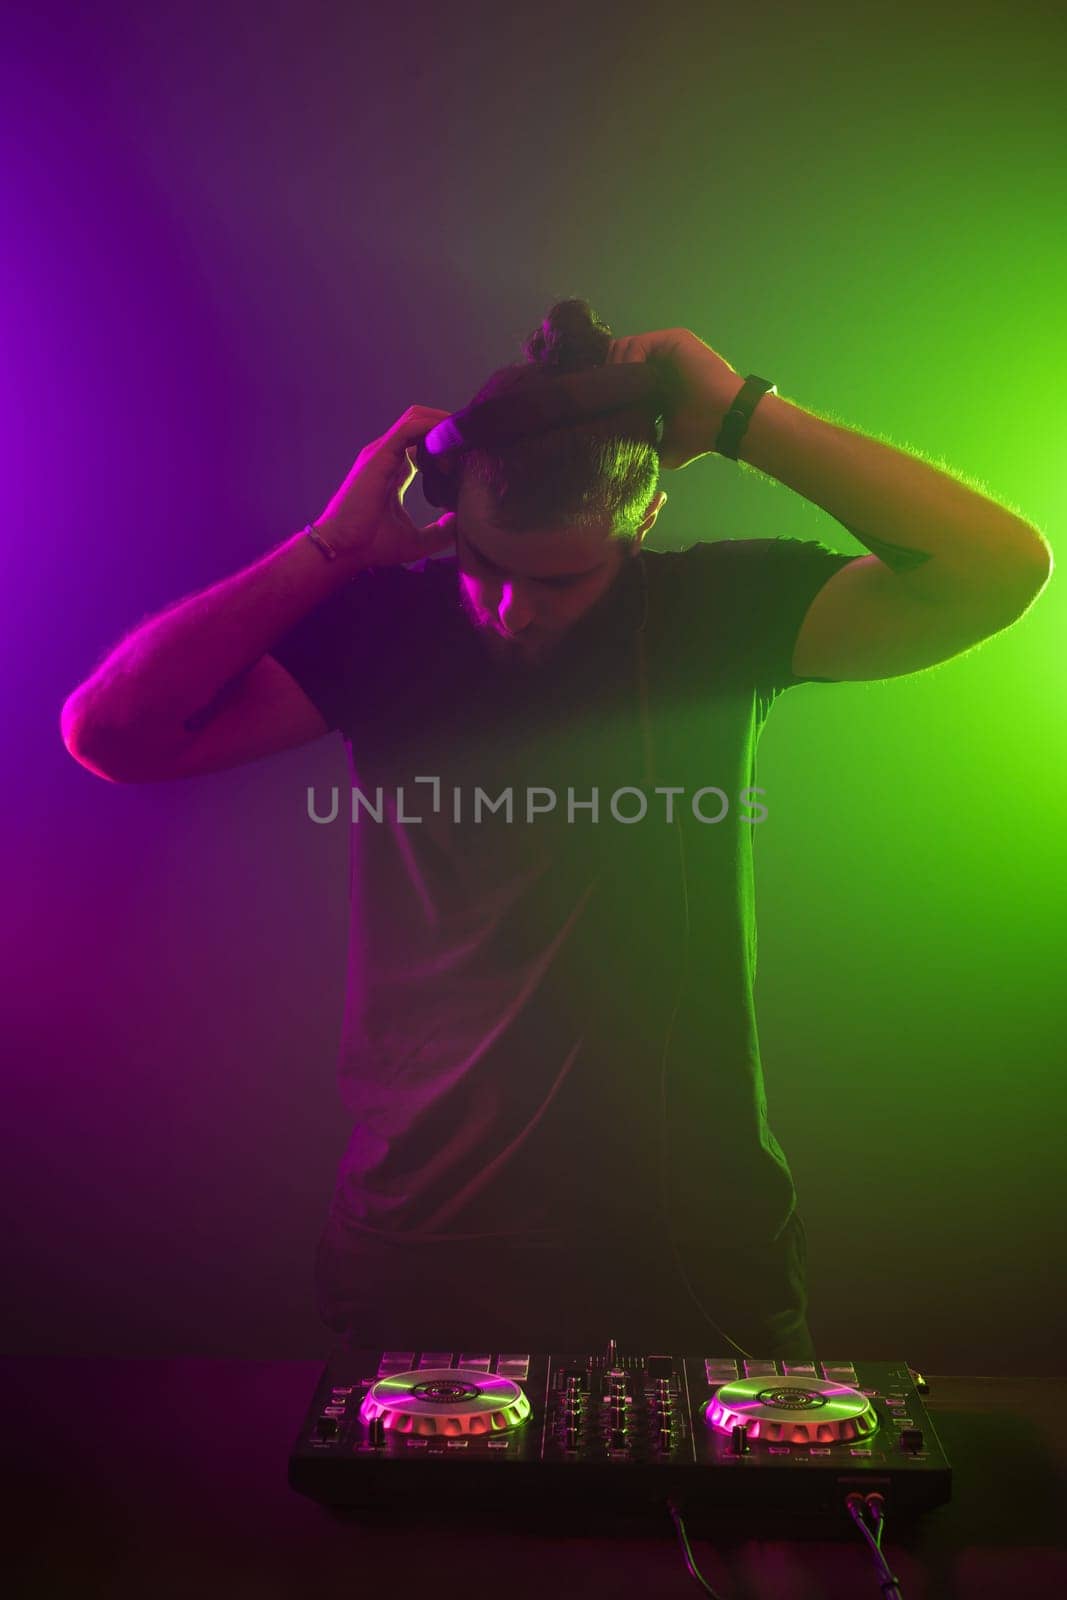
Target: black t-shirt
{"x": 549, "y": 1026}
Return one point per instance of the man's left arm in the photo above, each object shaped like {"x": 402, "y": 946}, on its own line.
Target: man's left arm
{"x": 949, "y": 566}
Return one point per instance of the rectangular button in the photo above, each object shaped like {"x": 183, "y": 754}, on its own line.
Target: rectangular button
{"x": 720, "y": 1371}
{"x": 395, "y": 1361}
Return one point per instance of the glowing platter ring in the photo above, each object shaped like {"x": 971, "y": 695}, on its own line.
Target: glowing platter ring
{"x": 802, "y": 1411}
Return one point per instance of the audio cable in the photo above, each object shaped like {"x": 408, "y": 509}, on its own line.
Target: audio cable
{"x": 856, "y": 1504}
{"x": 859, "y": 1507}
{"x": 687, "y": 1554}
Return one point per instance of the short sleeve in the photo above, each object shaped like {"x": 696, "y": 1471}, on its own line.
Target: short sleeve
{"x": 336, "y": 651}
{"x": 762, "y": 589}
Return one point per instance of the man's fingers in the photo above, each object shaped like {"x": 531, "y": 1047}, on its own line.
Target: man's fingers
{"x": 398, "y": 443}
{"x": 443, "y": 525}
{"x": 416, "y": 421}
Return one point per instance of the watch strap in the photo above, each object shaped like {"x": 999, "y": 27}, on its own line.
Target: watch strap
{"x": 736, "y": 419}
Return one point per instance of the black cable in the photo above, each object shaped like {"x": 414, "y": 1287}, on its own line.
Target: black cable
{"x": 691, "y": 1566}
{"x": 855, "y": 1506}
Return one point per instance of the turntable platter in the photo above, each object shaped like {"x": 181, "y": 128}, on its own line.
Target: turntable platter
{"x": 798, "y": 1410}
{"x": 445, "y": 1401}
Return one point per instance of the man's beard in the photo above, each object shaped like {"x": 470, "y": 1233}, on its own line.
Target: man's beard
{"x": 526, "y": 653}
{"x": 519, "y": 653}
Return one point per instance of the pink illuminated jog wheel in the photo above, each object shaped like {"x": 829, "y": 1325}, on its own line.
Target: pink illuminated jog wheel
{"x": 445, "y": 1401}
{"x": 796, "y": 1410}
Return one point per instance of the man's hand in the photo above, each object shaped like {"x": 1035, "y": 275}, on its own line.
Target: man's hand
{"x": 366, "y": 521}
{"x": 708, "y": 387}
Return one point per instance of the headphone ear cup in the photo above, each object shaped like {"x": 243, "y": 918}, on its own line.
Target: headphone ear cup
{"x": 439, "y": 485}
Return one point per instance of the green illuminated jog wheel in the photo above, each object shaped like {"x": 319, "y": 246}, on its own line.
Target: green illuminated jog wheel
{"x": 445, "y": 1401}
{"x": 792, "y": 1411}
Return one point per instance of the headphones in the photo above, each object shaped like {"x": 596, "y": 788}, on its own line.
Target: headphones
{"x": 539, "y": 401}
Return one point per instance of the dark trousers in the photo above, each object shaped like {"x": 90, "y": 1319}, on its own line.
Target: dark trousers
{"x": 494, "y": 1295}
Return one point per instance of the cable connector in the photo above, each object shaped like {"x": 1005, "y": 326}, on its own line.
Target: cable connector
{"x": 857, "y": 1505}
{"x": 875, "y": 1503}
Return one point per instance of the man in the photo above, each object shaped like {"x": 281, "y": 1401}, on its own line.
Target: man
{"x": 550, "y": 1053}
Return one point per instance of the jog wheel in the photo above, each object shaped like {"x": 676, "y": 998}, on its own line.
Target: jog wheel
{"x": 792, "y": 1411}
{"x": 445, "y": 1401}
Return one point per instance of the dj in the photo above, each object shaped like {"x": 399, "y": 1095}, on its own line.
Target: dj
{"x": 549, "y": 1051}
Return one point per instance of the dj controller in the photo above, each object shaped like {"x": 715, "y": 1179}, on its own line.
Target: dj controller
{"x": 390, "y": 1430}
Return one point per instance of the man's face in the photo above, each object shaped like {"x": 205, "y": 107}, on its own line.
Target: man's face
{"x": 525, "y": 591}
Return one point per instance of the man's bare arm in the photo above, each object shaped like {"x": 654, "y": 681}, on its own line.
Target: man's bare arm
{"x": 179, "y": 673}
{"x": 148, "y": 700}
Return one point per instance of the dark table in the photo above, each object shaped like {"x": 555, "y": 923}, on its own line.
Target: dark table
{"x": 166, "y": 1480}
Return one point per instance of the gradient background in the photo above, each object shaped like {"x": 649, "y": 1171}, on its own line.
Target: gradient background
{"x": 240, "y": 241}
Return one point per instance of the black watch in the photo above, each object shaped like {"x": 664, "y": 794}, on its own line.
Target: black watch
{"x": 736, "y": 419}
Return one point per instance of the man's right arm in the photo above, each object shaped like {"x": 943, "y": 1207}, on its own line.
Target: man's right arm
{"x": 194, "y": 688}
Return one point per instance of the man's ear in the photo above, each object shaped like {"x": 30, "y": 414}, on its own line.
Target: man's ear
{"x": 655, "y": 506}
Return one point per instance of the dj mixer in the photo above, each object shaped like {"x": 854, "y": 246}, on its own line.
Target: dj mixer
{"x": 396, "y": 1429}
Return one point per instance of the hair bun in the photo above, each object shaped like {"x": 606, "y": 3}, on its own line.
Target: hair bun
{"x": 571, "y": 337}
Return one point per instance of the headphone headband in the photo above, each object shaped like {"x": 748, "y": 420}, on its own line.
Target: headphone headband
{"x": 544, "y": 401}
